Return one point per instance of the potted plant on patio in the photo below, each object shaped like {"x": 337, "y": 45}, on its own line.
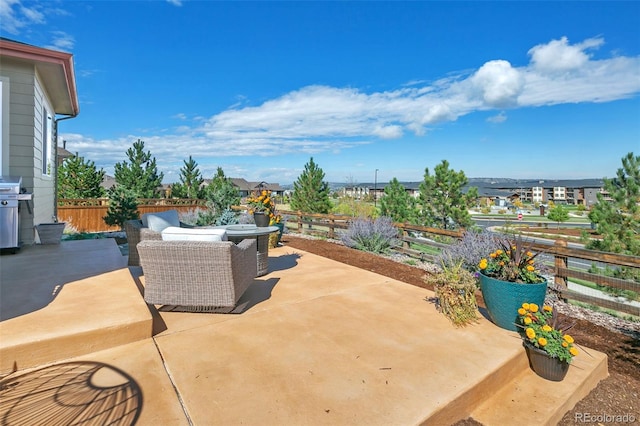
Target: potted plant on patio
{"x": 262, "y": 207}
{"x": 510, "y": 276}
{"x": 549, "y": 348}
{"x": 50, "y": 233}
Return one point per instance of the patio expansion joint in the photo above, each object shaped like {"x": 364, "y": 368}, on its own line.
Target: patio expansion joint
{"x": 173, "y": 383}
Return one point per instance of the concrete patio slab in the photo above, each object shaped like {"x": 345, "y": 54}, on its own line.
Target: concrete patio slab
{"x": 317, "y": 342}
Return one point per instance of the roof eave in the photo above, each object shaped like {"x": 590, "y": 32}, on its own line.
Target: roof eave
{"x": 44, "y": 59}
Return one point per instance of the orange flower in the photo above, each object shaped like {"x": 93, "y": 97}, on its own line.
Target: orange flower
{"x": 525, "y": 305}
{"x": 493, "y": 255}
{"x": 533, "y": 307}
{"x": 530, "y": 268}
{"x": 542, "y": 341}
{"x": 529, "y": 254}
{"x": 547, "y": 308}
{"x": 499, "y": 252}
{"x": 522, "y": 311}
{"x": 565, "y": 344}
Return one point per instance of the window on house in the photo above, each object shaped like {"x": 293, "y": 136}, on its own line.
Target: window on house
{"x": 47, "y": 136}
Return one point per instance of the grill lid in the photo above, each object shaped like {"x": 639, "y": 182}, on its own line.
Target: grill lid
{"x": 10, "y": 184}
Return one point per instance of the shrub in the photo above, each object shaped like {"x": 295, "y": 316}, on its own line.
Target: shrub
{"x": 468, "y": 251}
{"x": 228, "y": 217}
{"x": 376, "y": 236}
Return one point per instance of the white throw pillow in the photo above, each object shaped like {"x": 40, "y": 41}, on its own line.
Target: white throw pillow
{"x": 161, "y": 220}
{"x": 173, "y": 233}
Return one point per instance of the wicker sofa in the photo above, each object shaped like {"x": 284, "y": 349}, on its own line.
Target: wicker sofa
{"x": 197, "y": 276}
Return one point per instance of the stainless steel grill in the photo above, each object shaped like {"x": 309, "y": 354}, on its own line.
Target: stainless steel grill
{"x": 9, "y": 218}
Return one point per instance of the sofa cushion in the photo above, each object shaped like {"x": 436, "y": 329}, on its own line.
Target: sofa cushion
{"x": 161, "y": 220}
{"x": 173, "y": 233}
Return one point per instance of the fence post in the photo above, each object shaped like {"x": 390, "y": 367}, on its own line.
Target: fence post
{"x": 560, "y": 262}
{"x": 299, "y": 214}
{"x": 405, "y": 244}
{"x": 332, "y": 223}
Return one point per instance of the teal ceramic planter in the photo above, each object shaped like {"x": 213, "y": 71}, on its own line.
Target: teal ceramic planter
{"x": 503, "y": 298}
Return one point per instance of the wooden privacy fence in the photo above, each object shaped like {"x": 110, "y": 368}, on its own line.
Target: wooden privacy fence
{"x": 87, "y": 215}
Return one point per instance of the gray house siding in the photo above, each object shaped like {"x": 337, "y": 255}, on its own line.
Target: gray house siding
{"x": 27, "y": 101}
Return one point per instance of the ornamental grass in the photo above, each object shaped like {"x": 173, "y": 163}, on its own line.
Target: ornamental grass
{"x": 455, "y": 289}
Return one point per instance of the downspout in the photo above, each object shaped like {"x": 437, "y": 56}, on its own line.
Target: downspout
{"x": 55, "y": 156}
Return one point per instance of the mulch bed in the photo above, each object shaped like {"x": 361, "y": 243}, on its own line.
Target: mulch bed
{"x": 619, "y": 394}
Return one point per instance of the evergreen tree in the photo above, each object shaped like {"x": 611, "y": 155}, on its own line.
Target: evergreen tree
{"x": 310, "y": 191}
{"x": 618, "y": 219}
{"x": 79, "y": 178}
{"x": 220, "y": 194}
{"x": 122, "y": 206}
{"x": 397, "y": 203}
{"x": 140, "y": 174}
{"x": 442, "y": 202}
{"x": 558, "y": 214}
{"x": 190, "y": 181}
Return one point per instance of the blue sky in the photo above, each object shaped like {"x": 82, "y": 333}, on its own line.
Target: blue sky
{"x": 499, "y": 89}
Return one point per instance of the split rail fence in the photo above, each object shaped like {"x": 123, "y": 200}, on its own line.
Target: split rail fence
{"x": 416, "y": 241}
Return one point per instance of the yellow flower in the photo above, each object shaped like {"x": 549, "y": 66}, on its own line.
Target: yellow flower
{"x": 522, "y": 311}
{"x": 546, "y": 328}
{"x": 533, "y": 307}
{"x": 493, "y": 255}
{"x": 483, "y": 264}
{"x": 525, "y": 306}
{"x": 529, "y": 254}
{"x": 565, "y": 344}
{"x": 530, "y": 268}
{"x": 542, "y": 341}
{"x": 531, "y": 262}
{"x": 501, "y": 263}
{"x": 547, "y": 308}
{"x": 568, "y": 338}
{"x": 499, "y": 252}
{"x": 527, "y": 321}
{"x": 530, "y": 333}
{"x": 573, "y": 351}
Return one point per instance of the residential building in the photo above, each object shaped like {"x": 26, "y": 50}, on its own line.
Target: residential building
{"x": 37, "y": 91}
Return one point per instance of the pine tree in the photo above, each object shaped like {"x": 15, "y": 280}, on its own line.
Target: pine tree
{"x": 220, "y": 194}
{"x": 442, "y": 202}
{"x": 79, "y": 178}
{"x": 310, "y": 191}
{"x": 122, "y": 206}
{"x": 618, "y": 219}
{"x": 190, "y": 181}
{"x": 397, "y": 203}
{"x": 140, "y": 174}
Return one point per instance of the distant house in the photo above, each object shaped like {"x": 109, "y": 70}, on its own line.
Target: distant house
{"x": 247, "y": 188}
{"x": 37, "y": 91}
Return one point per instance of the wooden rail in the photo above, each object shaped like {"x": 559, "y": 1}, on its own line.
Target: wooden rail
{"x": 87, "y": 216}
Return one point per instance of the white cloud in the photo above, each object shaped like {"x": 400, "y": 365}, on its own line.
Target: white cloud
{"x": 175, "y": 2}
{"x": 62, "y": 41}
{"x": 14, "y": 16}
{"x": 559, "y": 56}
{"x": 318, "y": 119}
{"x": 499, "y": 118}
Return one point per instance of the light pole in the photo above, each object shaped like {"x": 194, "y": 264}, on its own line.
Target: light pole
{"x": 375, "y": 190}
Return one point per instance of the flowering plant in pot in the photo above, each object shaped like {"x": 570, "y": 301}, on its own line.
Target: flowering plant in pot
{"x": 509, "y": 276}
{"x": 549, "y": 347}
{"x": 262, "y": 206}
